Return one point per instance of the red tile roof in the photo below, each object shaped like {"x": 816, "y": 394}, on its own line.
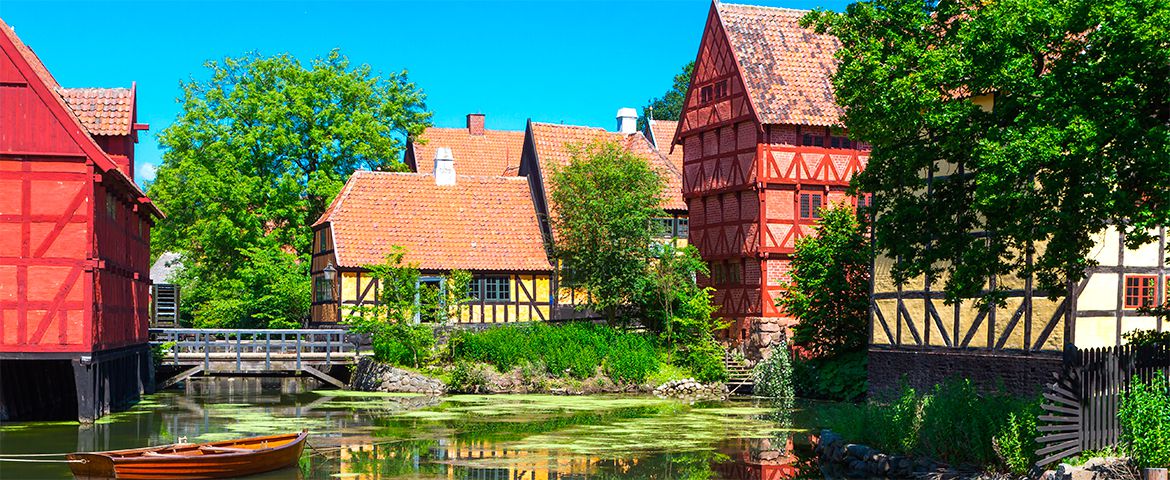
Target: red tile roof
{"x": 786, "y": 68}
{"x": 480, "y": 223}
{"x": 553, "y": 141}
{"x": 496, "y": 152}
{"x": 662, "y": 133}
{"x": 103, "y": 111}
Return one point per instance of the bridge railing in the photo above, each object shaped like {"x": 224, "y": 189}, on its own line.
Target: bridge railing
{"x": 186, "y": 346}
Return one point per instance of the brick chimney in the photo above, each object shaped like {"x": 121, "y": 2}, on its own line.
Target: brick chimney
{"x": 475, "y": 123}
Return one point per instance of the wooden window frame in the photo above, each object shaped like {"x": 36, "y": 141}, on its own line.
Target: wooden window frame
{"x": 1140, "y": 291}
{"x": 720, "y": 89}
{"x": 706, "y": 93}
{"x": 502, "y": 289}
{"x": 322, "y": 290}
{"x": 808, "y": 211}
{"x": 682, "y": 227}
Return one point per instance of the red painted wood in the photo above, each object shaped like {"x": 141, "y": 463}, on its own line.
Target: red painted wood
{"x": 72, "y": 279}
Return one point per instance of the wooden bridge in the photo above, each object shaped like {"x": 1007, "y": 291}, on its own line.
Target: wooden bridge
{"x": 255, "y": 353}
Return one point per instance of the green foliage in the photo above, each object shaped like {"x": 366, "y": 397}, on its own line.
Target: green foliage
{"x": 258, "y": 151}
{"x": 468, "y": 377}
{"x": 773, "y": 376}
{"x": 829, "y": 292}
{"x": 1015, "y": 443}
{"x": 841, "y": 378}
{"x": 953, "y": 423}
{"x": 1146, "y": 338}
{"x": 670, "y": 105}
{"x": 705, "y": 361}
{"x": 1076, "y": 141}
{"x": 403, "y": 301}
{"x": 575, "y": 350}
{"x": 604, "y": 200}
{"x": 1145, "y": 422}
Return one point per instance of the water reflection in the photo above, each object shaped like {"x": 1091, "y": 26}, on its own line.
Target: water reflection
{"x": 378, "y": 437}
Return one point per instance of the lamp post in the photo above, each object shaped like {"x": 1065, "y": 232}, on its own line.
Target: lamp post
{"x": 330, "y": 276}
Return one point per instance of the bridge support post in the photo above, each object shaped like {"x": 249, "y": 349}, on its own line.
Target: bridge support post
{"x": 110, "y": 381}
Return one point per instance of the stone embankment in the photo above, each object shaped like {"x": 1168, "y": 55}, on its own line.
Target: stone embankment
{"x": 372, "y": 376}
{"x": 840, "y": 459}
{"x": 689, "y": 388}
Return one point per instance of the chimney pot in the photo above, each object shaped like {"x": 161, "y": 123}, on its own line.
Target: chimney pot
{"x": 444, "y": 166}
{"x": 475, "y": 123}
{"x": 627, "y": 121}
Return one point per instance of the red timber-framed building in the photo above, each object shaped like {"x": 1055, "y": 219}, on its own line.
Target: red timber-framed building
{"x": 762, "y": 151}
{"x": 74, "y": 246}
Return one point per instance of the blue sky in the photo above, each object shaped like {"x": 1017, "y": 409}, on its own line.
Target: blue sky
{"x": 555, "y": 61}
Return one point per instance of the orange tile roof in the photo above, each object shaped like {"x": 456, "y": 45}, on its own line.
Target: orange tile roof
{"x": 786, "y": 68}
{"x": 480, "y": 223}
{"x": 553, "y": 141}
{"x": 496, "y": 152}
{"x": 103, "y": 111}
{"x": 662, "y": 132}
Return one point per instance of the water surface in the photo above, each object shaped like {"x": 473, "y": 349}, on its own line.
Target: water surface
{"x": 374, "y": 436}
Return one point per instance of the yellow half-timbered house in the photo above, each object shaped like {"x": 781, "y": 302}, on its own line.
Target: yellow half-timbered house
{"x": 443, "y": 221}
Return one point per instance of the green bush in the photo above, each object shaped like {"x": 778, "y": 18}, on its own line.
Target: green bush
{"x": 841, "y": 377}
{"x": 705, "y": 361}
{"x": 467, "y": 377}
{"x": 953, "y": 423}
{"x": 1145, "y": 422}
{"x": 574, "y": 350}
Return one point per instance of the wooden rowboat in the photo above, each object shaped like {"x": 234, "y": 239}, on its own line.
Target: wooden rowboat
{"x": 226, "y": 459}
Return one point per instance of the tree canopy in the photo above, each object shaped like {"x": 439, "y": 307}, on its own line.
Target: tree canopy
{"x": 1078, "y": 137}
{"x": 604, "y": 200}
{"x": 258, "y": 151}
{"x": 669, "y": 106}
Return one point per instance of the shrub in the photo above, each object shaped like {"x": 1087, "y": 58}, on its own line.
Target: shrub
{"x": 705, "y": 361}
{"x": 952, "y": 422}
{"x": 773, "y": 376}
{"x": 468, "y": 377}
{"x": 1145, "y": 422}
{"x": 841, "y": 377}
{"x": 1144, "y": 338}
{"x": 574, "y": 350}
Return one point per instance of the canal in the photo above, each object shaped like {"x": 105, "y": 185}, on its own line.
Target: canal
{"x": 374, "y": 436}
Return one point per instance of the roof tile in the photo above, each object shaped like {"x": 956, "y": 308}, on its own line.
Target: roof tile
{"x": 787, "y": 69}
{"x": 496, "y": 152}
{"x": 103, "y": 111}
{"x": 480, "y": 223}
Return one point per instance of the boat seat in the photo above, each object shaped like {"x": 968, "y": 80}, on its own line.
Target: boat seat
{"x": 226, "y": 449}
{"x": 156, "y": 454}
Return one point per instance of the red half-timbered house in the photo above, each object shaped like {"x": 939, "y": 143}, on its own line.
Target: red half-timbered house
{"x": 74, "y": 245}
{"x": 762, "y": 151}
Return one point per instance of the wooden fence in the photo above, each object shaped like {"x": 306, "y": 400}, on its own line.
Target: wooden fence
{"x": 1081, "y": 407}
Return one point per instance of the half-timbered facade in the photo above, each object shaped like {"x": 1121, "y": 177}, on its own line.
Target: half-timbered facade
{"x": 74, "y": 245}
{"x": 762, "y": 152}
{"x": 443, "y": 222}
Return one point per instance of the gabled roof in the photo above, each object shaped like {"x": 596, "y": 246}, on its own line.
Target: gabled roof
{"x": 496, "y": 152}
{"x": 661, "y": 134}
{"x": 103, "y": 111}
{"x": 787, "y": 69}
{"x": 480, "y": 223}
{"x": 47, "y": 89}
{"x": 552, "y": 143}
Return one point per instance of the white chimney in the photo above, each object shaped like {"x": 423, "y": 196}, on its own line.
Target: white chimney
{"x": 444, "y": 166}
{"x": 627, "y": 121}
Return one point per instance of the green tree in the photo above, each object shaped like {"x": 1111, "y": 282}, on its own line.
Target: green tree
{"x": 829, "y": 292}
{"x": 395, "y": 322}
{"x": 1077, "y": 140}
{"x": 256, "y": 154}
{"x": 604, "y": 201}
{"x": 670, "y": 105}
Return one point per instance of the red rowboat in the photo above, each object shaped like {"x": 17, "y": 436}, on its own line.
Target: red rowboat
{"x": 226, "y": 459}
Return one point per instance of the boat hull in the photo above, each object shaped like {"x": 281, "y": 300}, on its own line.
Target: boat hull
{"x": 189, "y": 462}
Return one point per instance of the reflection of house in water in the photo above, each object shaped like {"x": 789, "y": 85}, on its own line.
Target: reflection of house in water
{"x": 472, "y": 459}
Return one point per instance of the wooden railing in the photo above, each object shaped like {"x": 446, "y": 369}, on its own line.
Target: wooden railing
{"x": 194, "y": 346}
{"x": 1081, "y": 408}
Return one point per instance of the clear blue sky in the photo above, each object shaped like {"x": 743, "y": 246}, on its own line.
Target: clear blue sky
{"x": 554, "y": 61}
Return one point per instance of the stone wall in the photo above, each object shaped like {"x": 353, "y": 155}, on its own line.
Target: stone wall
{"x": 371, "y": 376}
{"x": 1017, "y": 373}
